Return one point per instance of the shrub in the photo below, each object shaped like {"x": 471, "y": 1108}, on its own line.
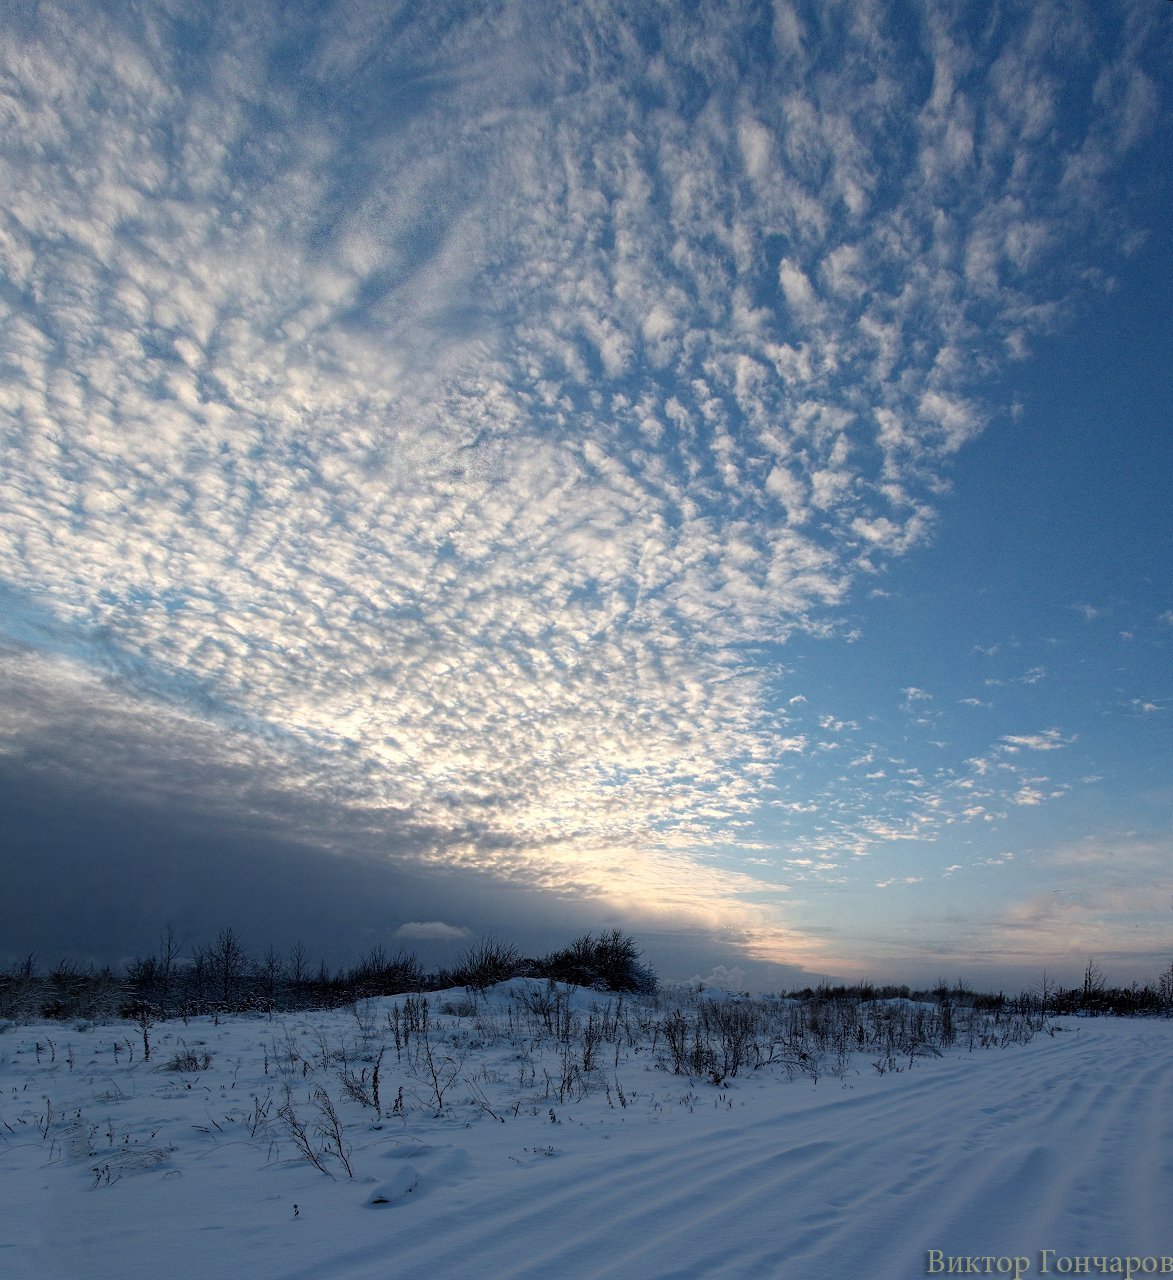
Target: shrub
{"x": 378, "y": 974}
{"x": 487, "y": 962}
{"x": 186, "y": 1059}
{"x": 609, "y": 962}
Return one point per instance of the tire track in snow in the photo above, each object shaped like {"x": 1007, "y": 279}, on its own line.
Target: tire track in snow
{"x": 1005, "y": 1152}
{"x": 1050, "y": 1164}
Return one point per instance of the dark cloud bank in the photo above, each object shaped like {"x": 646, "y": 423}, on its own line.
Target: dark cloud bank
{"x": 114, "y": 827}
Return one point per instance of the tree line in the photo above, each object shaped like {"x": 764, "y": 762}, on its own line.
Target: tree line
{"x": 223, "y": 977}
{"x": 1092, "y": 996}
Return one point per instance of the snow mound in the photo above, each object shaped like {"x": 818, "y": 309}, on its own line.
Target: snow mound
{"x": 392, "y": 1190}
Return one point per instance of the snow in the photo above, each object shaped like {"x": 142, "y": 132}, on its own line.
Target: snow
{"x": 113, "y": 1167}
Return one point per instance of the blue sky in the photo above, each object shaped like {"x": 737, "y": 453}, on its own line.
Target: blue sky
{"x": 701, "y": 468}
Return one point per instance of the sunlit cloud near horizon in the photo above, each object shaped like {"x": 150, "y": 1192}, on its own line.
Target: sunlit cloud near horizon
{"x": 554, "y": 443}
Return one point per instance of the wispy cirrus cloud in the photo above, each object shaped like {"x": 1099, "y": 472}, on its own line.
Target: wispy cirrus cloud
{"x": 467, "y": 455}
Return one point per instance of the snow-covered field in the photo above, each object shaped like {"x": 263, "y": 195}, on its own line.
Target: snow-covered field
{"x": 497, "y": 1151}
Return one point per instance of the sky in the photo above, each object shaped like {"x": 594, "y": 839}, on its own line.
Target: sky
{"x": 524, "y": 468}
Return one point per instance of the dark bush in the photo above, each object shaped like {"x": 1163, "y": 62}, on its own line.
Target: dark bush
{"x": 378, "y": 974}
{"x": 609, "y": 962}
{"x": 487, "y": 962}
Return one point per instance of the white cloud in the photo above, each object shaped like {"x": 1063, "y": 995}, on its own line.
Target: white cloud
{"x": 722, "y": 978}
{"x": 432, "y": 931}
{"x": 1047, "y": 740}
{"x": 459, "y": 450}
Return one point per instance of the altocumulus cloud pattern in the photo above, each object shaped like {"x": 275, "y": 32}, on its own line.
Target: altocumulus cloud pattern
{"x": 453, "y": 409}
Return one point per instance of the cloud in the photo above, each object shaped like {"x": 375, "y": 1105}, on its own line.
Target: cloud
{"x": 445, "y": 460}
{"x": 432, "y": 931}
{"x": 1092, "y": 897}
{"x": 1033, "y": 676}
{"x": 1047, "y": 740}
{"x": 723, "y": 978}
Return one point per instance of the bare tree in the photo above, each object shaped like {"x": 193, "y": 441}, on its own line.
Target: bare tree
{"x": 168, "y": 955}
{"x": 1165, "y": 989}
{"x": 298, "y": 968}
{"x": 270, "y": 972}
{"x": 229, "y": 963}
{"x": 1046, "y": 996}
{"x": 1093, "y": 983}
